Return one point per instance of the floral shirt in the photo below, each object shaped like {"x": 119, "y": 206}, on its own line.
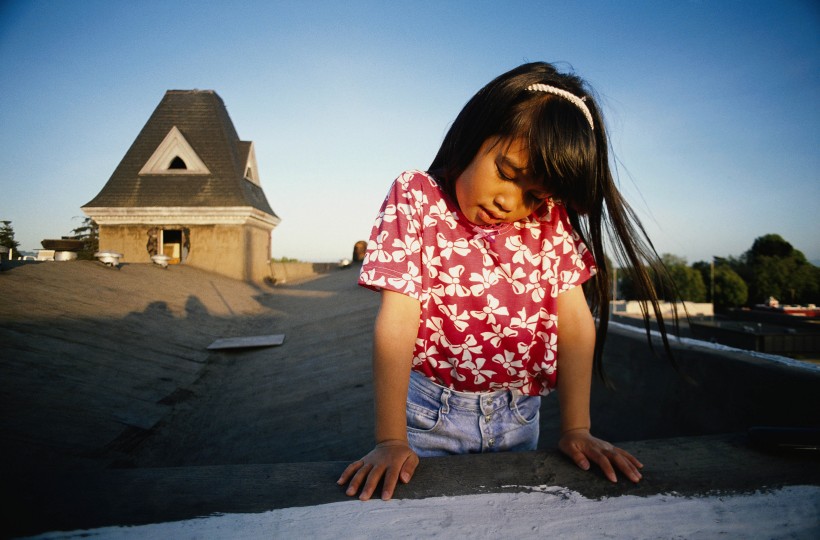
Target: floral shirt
{"x": 488, "y": 294}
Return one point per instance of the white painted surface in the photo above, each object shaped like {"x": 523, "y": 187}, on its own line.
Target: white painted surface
{"x": 534, "y": 512}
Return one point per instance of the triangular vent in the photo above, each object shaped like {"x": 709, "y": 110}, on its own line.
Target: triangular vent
{"x": 174, "y": 156}
{"x": 250, "y": 166}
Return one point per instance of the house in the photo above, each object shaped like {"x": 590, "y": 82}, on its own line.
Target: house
{"x": 188, "y": 188}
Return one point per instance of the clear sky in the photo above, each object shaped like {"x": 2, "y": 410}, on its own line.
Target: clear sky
{"x": 712, "y": 106}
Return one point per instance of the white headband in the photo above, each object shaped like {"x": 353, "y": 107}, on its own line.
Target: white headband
{"x": 578, "y": 102}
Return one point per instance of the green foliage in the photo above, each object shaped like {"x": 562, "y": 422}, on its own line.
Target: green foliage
{"x": 89, "y": 231}
{"x": 730, "y": 289}
{"x": 688, "y": 281}
{"x": 285, "y": 260}
{"x": 772, "y": 267}
{"x": 7, "y": 236}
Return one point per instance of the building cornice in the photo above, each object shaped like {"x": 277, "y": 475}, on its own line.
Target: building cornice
{"x": 181, "y": 215}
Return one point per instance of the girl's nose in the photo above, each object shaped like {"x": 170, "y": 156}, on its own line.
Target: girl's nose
{"x": 507, "y": 201}
{"x": 502, "y": 203}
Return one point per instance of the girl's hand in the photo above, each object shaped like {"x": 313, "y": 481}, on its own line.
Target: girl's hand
{"x": 582, "y": 447}
{"x": 393, "y": 460}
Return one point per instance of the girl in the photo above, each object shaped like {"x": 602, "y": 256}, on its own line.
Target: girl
{"x": 479, "y": 262}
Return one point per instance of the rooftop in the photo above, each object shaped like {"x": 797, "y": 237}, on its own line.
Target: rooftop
{"x": 114, "y": 413}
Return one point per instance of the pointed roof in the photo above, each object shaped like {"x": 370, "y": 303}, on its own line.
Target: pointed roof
{"x": 188, "y": 154}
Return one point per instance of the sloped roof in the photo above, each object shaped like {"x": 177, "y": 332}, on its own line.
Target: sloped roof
{"x": 201, "y": 117}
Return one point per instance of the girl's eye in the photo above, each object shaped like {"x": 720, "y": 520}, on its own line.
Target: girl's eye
{"x": 501, "y": 174}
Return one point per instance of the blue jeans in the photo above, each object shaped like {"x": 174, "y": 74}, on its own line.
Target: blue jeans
{"x": 441, "y": 421}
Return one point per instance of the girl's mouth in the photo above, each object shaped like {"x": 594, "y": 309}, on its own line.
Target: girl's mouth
{"x": 487, "y": 218}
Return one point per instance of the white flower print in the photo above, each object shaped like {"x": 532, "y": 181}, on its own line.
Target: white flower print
{"x": 370, "y": 278}
{"x": 550, "y": 339}
{"x": 436, "y": 325}
{"x": 522, "y": 252}
{"x": 431, "y": 261}
{"x": 508, "y": 362}
{"x": 536, "y": 286}
{"x": 483, "y": 281}
{"x": 377, "y": 246}
{"x": 532, "y": 225}
{"x": 562, "y": 238}
{"x": 548, "y": 320}
{"x": 498, "y": 334}
{"x": 568, "y": 279}
{"x": 460, "y": 246}
{"x": 513, "y": 277}
{"x": 425, "y": 355}
{"x": 452, "y": 282}
{"x": 507, "y": 385}
{"x": 489, "y": 311}
{"x": 438, "y": 213}
{"x": 388, "y": 215}
{"x": 466, "y": 349}
{"x": 408, "y": 280}
{"x": 525, "y": 323}
{"x": 547, "y": 367}
{"x": 459, "y": 321}
{"x": 480, "y": 246}
{"x": 408, "y": 246}
{"x": 477, "y": 371}
{"x": 405, "y": 178}
{"x": 453, "y": 367}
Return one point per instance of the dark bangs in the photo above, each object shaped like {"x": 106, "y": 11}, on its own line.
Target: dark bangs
{"x": 562, "y": 148}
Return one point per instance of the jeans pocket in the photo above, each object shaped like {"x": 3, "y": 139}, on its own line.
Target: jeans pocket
{"x": 421, "y": 417}
{"x": 526, "y": 408}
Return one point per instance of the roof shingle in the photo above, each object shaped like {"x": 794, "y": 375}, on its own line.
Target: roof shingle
{"x": 201, "y": 117}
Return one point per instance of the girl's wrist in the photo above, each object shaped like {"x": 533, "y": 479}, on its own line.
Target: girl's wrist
{"x": 392, "y": 442}
{"x": 579, "y": 428}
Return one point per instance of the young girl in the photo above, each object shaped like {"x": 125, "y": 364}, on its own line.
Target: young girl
{"x": 479, "y": 262}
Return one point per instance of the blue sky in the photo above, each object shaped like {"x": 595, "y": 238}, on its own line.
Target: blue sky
{"x": 712, "y": 106}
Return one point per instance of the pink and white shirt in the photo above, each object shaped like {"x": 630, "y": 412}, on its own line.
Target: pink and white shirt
{"x": 488, "y": 294}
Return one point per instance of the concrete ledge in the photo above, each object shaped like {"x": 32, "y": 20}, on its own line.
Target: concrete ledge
{"x": 293, "y": 272}
{"x": 692, "y": 466}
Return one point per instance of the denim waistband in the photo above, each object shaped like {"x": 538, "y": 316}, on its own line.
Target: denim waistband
{"x": 469, "y": 401}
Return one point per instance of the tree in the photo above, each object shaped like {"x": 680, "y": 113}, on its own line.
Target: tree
{"x": 7, "y": 236}
{"x": 688, "y": 281}
{"x": 774, "y": 268}
{"x": 730, "y": 289}
{"x": 89, "y": 232}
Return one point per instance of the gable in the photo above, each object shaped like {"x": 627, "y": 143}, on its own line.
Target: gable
{"x": 246, "y": 150}
{"x": 174, "y": 155}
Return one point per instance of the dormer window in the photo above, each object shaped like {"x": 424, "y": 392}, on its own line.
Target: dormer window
{"x": 174, "y": 155}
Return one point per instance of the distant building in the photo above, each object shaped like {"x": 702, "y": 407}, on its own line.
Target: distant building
{"x": 188, "y": 188}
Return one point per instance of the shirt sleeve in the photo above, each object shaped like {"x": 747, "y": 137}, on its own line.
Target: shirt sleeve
{"x": 393, "y": 258}
{"x": 575, "y": 264}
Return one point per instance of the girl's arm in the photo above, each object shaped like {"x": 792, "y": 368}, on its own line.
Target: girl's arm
{"x": 576, "y": 345}
{"x": 393, "y": 340}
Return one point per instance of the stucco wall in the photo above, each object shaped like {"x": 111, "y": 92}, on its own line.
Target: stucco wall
{"x": 239, "y": 252}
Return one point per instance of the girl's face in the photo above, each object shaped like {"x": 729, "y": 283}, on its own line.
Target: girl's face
{"x": 498, "y": 186}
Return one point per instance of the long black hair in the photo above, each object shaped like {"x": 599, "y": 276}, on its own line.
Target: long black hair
{"x": 571, "y": 156}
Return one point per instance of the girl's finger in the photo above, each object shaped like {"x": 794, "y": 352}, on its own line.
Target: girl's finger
{"x": 408, "y": 469}
{"x": 373, "y": 477}
{"x": 357, "y": 479}
{"x": 349, "y": 471}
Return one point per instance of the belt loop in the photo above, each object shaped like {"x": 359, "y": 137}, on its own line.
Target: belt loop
{"x": 445, "y": 403}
